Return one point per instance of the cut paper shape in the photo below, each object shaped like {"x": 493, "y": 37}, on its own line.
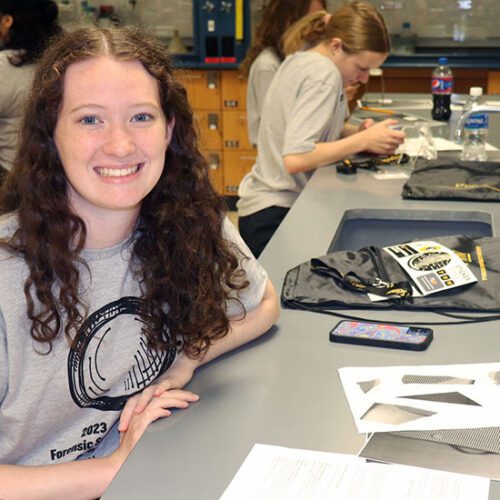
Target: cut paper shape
{"x": 436, "y": 379}
{"x": 456, "y": 398}
{"x": 486, "y": 439}
{"x": 368, "y": 385}
{"x": 495, "y": 376}
{"x": 394, "y": 414}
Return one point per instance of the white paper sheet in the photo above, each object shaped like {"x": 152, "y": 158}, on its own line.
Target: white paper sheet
{"x": 398, "y": 103}
{"x": 386, "y": 175}
{"x": 411, "y": 146}
{"x": 403, "y": 398}
{"x": 278, "y": 473}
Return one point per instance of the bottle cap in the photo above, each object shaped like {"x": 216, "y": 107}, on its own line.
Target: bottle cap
{"x": 106, "y": 10}
{"x": 443, "y": 61}
{"x": 476, "y": 91}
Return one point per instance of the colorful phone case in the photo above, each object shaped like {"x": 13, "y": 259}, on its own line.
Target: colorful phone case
{"x": 382, "y": 335}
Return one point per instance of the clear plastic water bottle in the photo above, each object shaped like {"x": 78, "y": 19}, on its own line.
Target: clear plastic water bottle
{"x": 442, "y": 88}
{"x": 408, "y": 39}
{"x": 475, "y": 129}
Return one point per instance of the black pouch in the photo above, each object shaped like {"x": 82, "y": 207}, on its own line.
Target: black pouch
{"x": 323, "y": 283}
{"x": 454, "y": 180}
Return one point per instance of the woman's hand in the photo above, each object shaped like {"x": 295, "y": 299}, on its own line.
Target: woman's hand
{"x": 369, "y": 122}
{"x": 176, "y": 377}
{"x": 157, "y": 407}
{"x": 350, "y": 91}
{"x": 383, "y": 138}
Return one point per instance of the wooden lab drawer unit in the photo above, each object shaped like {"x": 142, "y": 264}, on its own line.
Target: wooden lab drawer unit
{"x": 214, "y": 159}
{"x": 203, "y": 88}
{"x": 236, "y": 165}
{"x": 235, "y": 134}
{"x": 218, "y": 99}
{"x": 209, "y": 125}
{"x": 234, "y": 90}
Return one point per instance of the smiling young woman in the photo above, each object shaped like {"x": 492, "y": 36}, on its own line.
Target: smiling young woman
{"x": 121, "y": 273}
{"x": 123, "y": 138}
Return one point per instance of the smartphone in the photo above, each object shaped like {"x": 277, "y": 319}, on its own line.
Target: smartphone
{"x": 382, "y": 335}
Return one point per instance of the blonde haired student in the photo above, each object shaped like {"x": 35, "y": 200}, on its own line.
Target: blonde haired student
{"x": 303, "y": 122}
{"x": 266, "y": 52}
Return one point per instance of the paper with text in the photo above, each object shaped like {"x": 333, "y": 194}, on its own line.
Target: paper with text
{"x": 278, "y": 473}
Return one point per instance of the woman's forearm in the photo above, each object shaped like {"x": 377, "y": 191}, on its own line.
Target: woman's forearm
{"x": 80, "y": 480}
{"x": 255, "y": 323}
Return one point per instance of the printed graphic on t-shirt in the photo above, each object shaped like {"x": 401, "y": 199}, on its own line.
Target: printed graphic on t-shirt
{"x": 110, "y": 359}
{"x": 92, "y": 435}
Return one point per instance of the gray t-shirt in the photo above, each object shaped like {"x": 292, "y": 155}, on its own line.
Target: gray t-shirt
{"x": 260, "y": 77}
{"x": 57, "y": 406}
{"x": 15, "y": 83}
{"x": 304, "y": 105}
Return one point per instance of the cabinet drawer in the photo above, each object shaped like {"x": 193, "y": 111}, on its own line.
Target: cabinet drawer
{"x": 214, "y": 159}
{"x": 236, "y": 165}
{"x": 235, "y": 133}
{"x": 234, "y": 90}
{"x": 203, "y": 88}
{"x": 209, "y": 125}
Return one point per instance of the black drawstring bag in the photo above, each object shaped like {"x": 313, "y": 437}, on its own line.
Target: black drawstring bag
{"x": 341, "y": 280}
{"x": 454, "y": 180}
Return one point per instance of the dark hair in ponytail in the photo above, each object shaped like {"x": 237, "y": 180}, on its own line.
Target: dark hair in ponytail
{"x": 277, "y": 17}
{"x": 34, "y": 23}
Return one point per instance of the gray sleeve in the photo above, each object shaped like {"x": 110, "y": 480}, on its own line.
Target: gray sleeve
{"x": 258, "y": 85}
{"x": 262, "y": 82}
{"x": 4, "y": 99}
{"x": 3, "y": 361}
{"x": 255, "y": 273}
{"x": 311, "y": 116}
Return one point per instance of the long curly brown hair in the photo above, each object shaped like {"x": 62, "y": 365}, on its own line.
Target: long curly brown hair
{"x": 179, "y": 255}
{"x": 277, "y": 17}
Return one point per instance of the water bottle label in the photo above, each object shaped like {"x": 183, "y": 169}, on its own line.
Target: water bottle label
{"x": 477, "y": 121}
{"x": 442, "y": 85}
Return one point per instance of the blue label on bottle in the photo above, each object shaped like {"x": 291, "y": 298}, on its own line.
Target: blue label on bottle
{"x": 442, "y": 85}
{"x": 477, "y": 121}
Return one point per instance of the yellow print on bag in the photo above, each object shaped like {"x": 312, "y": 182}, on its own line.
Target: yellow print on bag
{"x": 462, "y": 185}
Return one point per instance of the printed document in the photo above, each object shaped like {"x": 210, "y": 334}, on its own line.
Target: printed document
{"x": 278, "y": 473}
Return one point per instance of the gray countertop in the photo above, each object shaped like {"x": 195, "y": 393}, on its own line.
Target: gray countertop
{"x": 283, "y": 389}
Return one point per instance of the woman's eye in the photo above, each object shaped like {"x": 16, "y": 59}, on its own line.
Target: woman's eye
{"x": 88, "y": 120}
{"x": 142, "y": 117}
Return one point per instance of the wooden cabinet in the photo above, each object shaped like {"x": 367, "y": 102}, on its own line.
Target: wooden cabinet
{"x": 218, "y": 99}
{"x": 238, "y": 154}
{"x": 237, "y": 164}
{"x": 203, "y": 88}
{"x": 234, "y": 90}
{"x": 204, "y": 92}
{"x": 493, "y": 82}
{"x": 235, "y": 134}
{"x": 416, "y": 80}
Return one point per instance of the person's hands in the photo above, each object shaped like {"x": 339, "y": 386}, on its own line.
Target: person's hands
{"x": 350, "y": 91}
{"x": 157, "y": 407}
{"x": 176, "y": 377}
{"x": 369, "y": 122}
{"x": 382, "y": 138}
